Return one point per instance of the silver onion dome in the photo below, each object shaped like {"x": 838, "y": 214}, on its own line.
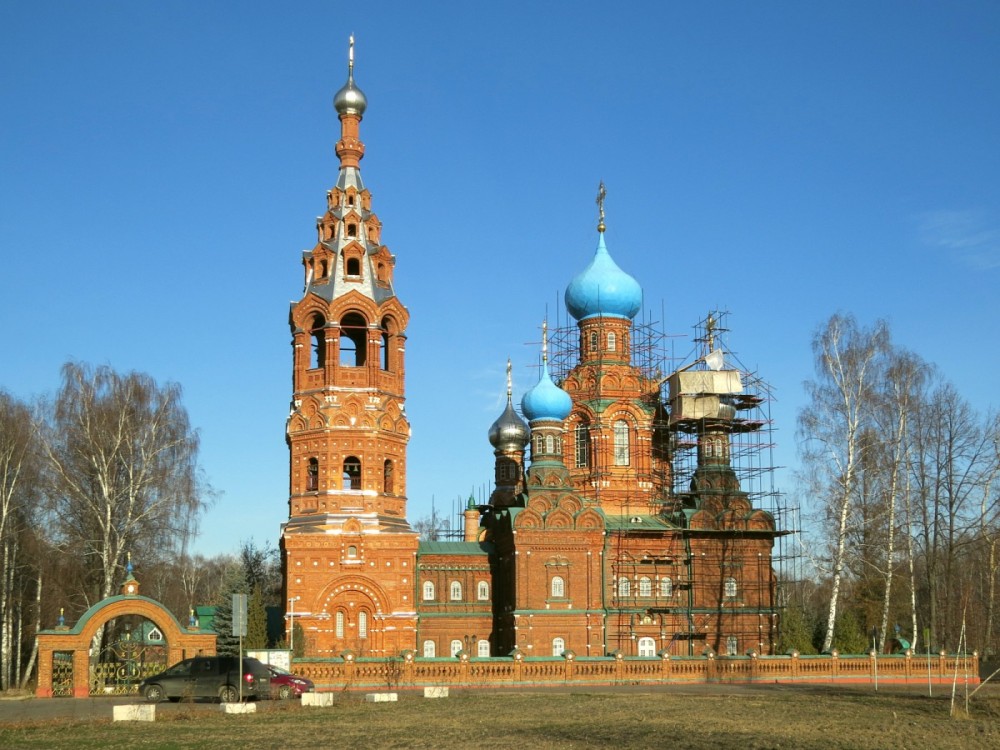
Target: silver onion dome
{"x": 350, "y": 100}
{"x": 509, "y": 432}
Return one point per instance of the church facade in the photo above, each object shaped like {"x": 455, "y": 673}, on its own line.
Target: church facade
{"x": 587, "y": 544}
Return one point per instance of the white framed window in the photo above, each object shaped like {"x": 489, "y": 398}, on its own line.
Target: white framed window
{"x": 550, "y": 444}
{"x": 729, "y": 588}
{"x": 593, "y": 341}
{"x": 581, "y": 436}
{"x": 429, "y": 650}
{"x": 621, "y": 438}
{"x": 624, "y": 587}
{"x": 483, "y": 591}
{"x": 339, "y": 623}
{"x": 362, "y": 624}
{"x": 612, "y": 341}
{"x": 558, "y": 587}
{"x": 647, "y": 647}
{"x": 558, "y": 646}
{"x": 645, "y": 586}
{"x": 666, "y": 587}
{"x": 428, "y": 591}
{"x": 483, "y": 649}
{"x": 732, "y": 646}
{"x": 455, "y": 591}
{"x": 456, "y": 647}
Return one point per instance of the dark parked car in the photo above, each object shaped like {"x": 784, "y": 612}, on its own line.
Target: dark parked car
{"x": 209, "y": 677}
{"x": 286, "y": 685}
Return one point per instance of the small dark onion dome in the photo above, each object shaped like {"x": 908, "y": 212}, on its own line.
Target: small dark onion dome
{"x": 509, "y": 432}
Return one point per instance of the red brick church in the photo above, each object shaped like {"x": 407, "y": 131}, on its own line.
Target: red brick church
{"x": 588, "y": 543}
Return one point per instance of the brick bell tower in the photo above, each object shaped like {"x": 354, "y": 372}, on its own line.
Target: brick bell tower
{"x": 347, "y": 550}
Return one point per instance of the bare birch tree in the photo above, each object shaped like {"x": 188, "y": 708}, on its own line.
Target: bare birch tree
{"x": 905, "y": 376}
{"x": 20, "y": 493}
{"x": 123, "y": 459}
{"x": 848, "y": 361}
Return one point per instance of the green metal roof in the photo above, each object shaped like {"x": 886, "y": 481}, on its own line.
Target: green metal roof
{"x": 454, "y": 548}
{"x": 637, "y": 522}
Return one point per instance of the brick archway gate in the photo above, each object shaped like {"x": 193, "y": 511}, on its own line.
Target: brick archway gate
{"x": 73, "y": 644}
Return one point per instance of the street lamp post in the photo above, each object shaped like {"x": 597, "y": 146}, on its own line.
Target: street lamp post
{"x": 291, "y": 625}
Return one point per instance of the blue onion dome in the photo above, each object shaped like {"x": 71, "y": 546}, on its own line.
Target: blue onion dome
{"x": 546, "y": 400}
{"x": 509, "y": 432}
{"x": 350, "y": 100}
{"x": 603, "y": 289}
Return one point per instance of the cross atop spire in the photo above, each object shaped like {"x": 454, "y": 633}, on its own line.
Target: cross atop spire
{"x": 602, "y": 193}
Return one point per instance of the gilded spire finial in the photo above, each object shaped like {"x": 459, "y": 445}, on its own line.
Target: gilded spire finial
{"x": 601, "y": 195}
{"x": 510, "y": 388}
{"x": 350, "y": 58}
{"x": 710, "y": 332}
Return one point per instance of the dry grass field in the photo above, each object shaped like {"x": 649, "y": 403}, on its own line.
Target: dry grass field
{"x": 712, "y": 717}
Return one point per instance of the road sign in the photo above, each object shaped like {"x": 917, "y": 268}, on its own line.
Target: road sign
{"x": 240, "y": 615}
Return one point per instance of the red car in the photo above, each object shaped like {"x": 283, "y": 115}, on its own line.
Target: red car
{"x": 286, "y": 685}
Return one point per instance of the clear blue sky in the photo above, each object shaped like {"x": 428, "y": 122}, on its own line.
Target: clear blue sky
{"x": 161, "y": 165}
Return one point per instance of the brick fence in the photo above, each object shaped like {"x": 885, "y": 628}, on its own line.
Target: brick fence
{"x": 349, "y": 672}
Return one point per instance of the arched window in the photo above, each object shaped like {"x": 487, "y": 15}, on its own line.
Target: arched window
{"x": 455, "y": 591}
{"x": 582, "y": 438}
{"x": 385, "y": 350}
{"x": 428, "y": 591}
{"x": 387, "y": 478}
{"x": 558, "y": 587}
{"x": 483, "y": 649}
{"x": 647, "y": 647}
{"x": 621, "y": 443}
{"x": 429, "y": 650}
{"x": 732, "y": 646}
{"x": 352, "y": 231}
{"x": 353, "y": 341}
{"x": 550, "y": 444}
{"x": 456, "y": 647}
{"x": 352, "y": 551}
{"x": 624, "y": 587}
{"x": 317, "y": 331}
{"x": 666, "y": 587}
{"x": 323, "y": 269}
{"x": 312, "y": 475}
{"x": 729, "y": 588}
{"x": 558, "y": 646}
{"x": 593, "y": 341}
{"x": 339, "y": 623}
{"x": 362, "y": 624}
{"x": 612, "y": 341}
{"x": 352, "y": 473}
{"x": 645, "y": 586}
{"x": 483, "y": 591}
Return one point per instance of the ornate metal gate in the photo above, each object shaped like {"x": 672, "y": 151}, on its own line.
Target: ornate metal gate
{"x": 134, "y": 648}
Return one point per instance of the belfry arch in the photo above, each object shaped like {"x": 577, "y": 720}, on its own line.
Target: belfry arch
{"x": 74, "y": 643}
